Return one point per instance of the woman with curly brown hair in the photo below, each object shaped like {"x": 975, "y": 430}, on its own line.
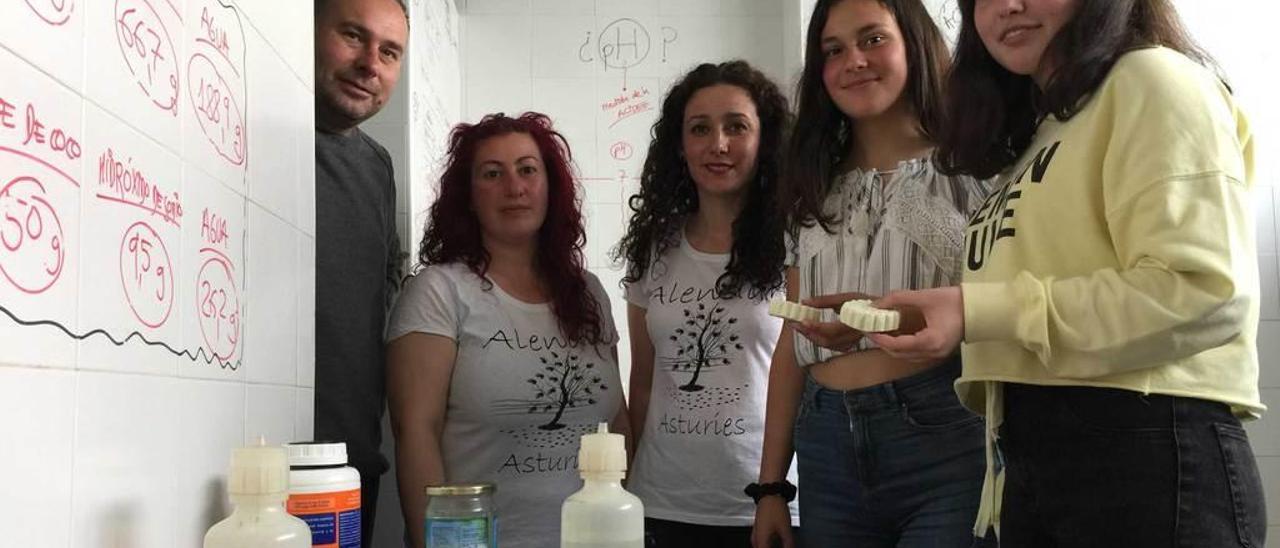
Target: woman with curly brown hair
{"x": 501, "y": 349}
{"x": 704, "y": 253}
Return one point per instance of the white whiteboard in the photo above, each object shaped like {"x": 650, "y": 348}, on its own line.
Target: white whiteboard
{"x": 156, "y": 266}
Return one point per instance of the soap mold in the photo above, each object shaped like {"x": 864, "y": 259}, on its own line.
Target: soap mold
{"x": 795, "y": 312}
{"x": 860, "y": 315}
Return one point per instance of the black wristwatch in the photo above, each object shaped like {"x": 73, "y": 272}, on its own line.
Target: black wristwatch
{"x": 782, "y": 488}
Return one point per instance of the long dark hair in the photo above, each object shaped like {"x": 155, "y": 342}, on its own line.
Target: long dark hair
{"x": 667, "y": 193}
{"x": 824, "y": 135}
{"x": 453, "y": 230}
{"x": 992, "y": 113}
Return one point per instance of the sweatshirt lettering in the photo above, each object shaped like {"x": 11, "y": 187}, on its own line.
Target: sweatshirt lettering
{"x": 991, "y": 223}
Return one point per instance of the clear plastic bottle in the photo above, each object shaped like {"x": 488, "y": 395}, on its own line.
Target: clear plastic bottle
{"x": 602, "y": 514}
{"x": 258, "y": 485}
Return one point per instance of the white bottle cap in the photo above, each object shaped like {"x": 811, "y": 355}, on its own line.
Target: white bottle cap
{"x": 317, "y": 454}
{"x": 602, "y": 452}
{"x": 258, "y": 470}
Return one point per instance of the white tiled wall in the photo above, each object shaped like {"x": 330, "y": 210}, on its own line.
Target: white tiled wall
{"x": 126, "y": 466}
{"x": 122, "y": 443}
{"x": 271, "y": 326}
{"x": 212, "y": 415}
{"x": 271, "y": 413}
{"x": 1265, "y": 433}
{"x": 38, "y": 419}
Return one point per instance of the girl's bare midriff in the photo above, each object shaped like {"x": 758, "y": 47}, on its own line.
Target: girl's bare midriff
{"x": 862, "y": 369}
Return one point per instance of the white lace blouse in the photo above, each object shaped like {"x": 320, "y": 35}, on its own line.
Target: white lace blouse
{"x": 898, "y": 229}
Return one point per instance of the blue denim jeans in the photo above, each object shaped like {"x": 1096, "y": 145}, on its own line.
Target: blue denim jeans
{"x": 1101, "y": 468}
{"x": 894, "y": 465}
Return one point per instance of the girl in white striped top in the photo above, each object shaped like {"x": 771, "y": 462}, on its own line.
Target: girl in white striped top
{"x": 887, "y": 456}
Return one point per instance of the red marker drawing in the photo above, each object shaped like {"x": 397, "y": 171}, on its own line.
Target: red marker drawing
{"x": 32, "y": 244}
{"x": 53, "y": 12}
{"x": 148, "y": 52}
{"x": 146, "y": 274}
{"x": 218, "y": 304}
{"x": 217, "y": 108}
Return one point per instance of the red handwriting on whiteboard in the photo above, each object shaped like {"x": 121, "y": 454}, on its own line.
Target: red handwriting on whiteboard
{"x": 148, "y": 52}
{"x": 218, "y": 304}
{"x": 56, "y": 139}
{"x": 621, "y": 179}
{"x": 53, "y": 12}
{"x": 213, "y": 228}
{"x": 6, "y": 114}
{"x": 621, "y": 150}
{"x": 146, "y": 274}
{"x": 213, "y": 35}
{"x": 626, "y": 105}
{"x": 217, "y": 108}
{"x": 31, "y": 235}
{"x": 120, "y": 182}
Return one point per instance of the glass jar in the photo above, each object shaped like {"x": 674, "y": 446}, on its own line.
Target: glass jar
{"x": 461, "y": 516}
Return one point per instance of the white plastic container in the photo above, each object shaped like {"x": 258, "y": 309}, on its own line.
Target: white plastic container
{"x": 258, "y": 485}
{"x": 602, "y": 514}
{"x": 325, "y": 493}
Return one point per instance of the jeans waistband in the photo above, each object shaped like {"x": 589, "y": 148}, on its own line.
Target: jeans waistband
{"x": 1022, "y": 398}
{"x": 887, "y": 395}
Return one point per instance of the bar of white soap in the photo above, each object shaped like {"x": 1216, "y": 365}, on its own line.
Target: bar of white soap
{"x": 795, "y": 312}
{"x": 860, "y": 315}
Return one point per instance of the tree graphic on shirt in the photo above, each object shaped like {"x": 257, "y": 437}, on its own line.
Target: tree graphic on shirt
{"x": 704, "y": 340}
{"x": 563, "y": 382}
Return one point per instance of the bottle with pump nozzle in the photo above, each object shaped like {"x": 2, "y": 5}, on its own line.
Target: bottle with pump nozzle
{"x": 602, "y": 514}
{"x": 258, "y": 485}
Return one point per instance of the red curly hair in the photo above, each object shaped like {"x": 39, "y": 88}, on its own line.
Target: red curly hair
{"x": 453, "y": 231}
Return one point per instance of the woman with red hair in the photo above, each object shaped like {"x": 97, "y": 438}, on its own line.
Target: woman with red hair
{"x": 502, "y": 348}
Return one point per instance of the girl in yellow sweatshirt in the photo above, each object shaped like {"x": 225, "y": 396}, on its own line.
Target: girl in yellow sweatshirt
{"x": 1109, "y": 304}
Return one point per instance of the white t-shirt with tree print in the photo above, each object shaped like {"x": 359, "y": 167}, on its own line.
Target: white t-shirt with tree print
{"x": 520, "y": 396}
{"x": 705, "y": 424}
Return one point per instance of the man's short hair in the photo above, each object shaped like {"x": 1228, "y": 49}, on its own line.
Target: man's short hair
{"x": 322, "y": 4}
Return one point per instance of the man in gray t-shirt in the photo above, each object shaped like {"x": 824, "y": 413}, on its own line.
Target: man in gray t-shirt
{"x": 359, "y": 45}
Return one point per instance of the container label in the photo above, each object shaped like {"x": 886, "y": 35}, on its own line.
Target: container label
{"x": 334, "y": 518}
{"x": 460, "y": 533}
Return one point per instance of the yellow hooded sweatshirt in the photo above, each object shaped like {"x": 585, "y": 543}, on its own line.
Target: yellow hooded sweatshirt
{"x": 1119, "y": 251}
